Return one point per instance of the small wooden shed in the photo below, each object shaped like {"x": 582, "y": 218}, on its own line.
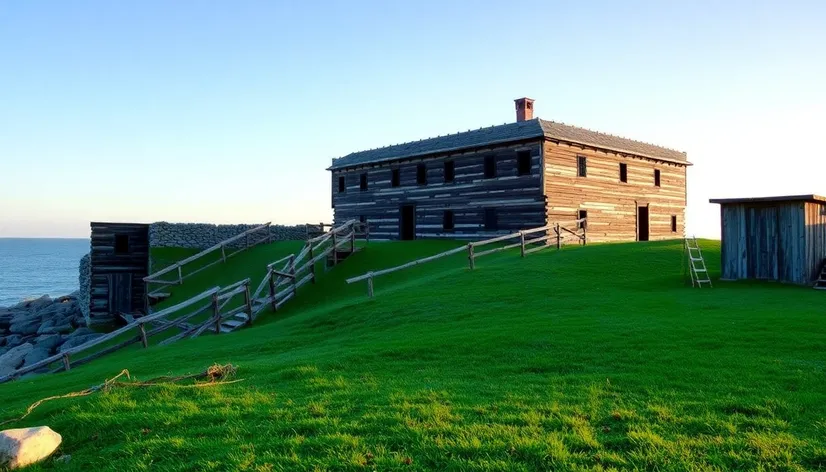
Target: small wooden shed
{"x": 119, "y": 262}
{"x": 773, "y": 238}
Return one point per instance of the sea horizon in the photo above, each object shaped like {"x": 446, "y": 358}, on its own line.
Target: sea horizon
{"x": 33, "y": 267}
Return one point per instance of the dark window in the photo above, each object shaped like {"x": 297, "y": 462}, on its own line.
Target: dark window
{"x": 490, "y": 219}
{"x": 395, "y": 178}
{"x": 363, "y": 181}
{"x": 581, "y": 166}
{"x": 447, "y": 220}
{"x": 121, "y": 244}
{"x": 450, "y": 171}
{"x": 656, "y": 177}
{"x": 673, "y": 223}
{"x": 582, "y": 214}
{"x": 624, "y": 173}
{"x": 362, "y": 219}
{"x": 421, "y": 174}
{"x": 523, "y": 162}
{"x": 490, "y": 167}
{"x": 341, "y": 186}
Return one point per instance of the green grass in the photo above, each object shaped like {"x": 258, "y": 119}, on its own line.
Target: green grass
{"x": 595, "y": 358}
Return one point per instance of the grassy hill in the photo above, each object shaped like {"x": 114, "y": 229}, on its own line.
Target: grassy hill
{"x": 594, "y": 358}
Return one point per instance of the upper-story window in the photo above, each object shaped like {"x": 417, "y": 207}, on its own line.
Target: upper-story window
{"x": 656, "y": 177}
{"x": 673, "y": 223}
{"x": 490, "y": 167}
{"x": 523, "y": 162}
{"x": 450, "y": 171}
{"x": 421, "y": 174}
{"x": 624, "y": 173}
{"x": 121, "y": 244}
{"x": 363, "y": 181}
{"x": 581, "y": 166}
{"x": 395, "y": 178}
{"x": 341, "y": 186}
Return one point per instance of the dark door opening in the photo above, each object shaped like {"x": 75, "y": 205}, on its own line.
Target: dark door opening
{"x": 120, "y": 292}
{"x": 642, "y": 223}
{"x": 407, "y": 223}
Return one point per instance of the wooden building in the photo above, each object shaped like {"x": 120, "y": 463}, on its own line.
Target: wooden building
{"x": 525, "y": 174}
{"x": 773, "y": 238}
{"x": 119, "y": 262}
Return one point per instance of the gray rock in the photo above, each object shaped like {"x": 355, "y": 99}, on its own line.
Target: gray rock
{"x": 11, "y": 360}
{"x": 61, "y": 329}
{"x": 37, "y": 354}
{"x": 77, "y": 341}
{"x": 45, "y": 327}
{"x": 81, "y": 332}
{"x": 26, "y": 327}
{"x": 48, "y": 342}
{"x": 14, "y": 340}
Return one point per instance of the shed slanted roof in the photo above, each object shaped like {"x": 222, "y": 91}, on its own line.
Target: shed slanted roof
{"x": 521, "y": 130}
{"x": 784, "y": 198}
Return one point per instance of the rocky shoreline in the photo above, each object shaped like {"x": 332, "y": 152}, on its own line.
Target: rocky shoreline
{"x": 33, "y": 330}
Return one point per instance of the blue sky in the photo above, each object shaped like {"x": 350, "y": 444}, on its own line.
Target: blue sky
{"x": 231, "y": 111}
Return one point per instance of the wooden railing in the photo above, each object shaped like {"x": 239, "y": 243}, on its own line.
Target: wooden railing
{"x": 557, "y": 232}
{"x": 285, "y": 276}
{"x": 175, "y": 274}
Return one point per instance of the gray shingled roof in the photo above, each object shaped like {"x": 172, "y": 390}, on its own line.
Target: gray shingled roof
{"x": 506, "y": 133}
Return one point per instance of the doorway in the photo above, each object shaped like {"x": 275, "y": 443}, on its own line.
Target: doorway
{"x": 407, "y": 223}
{"x": 120, "y": 292}
{"x": 642, "y": 223}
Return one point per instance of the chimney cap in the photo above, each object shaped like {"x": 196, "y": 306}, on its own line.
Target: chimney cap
{"x": 524, "y": 109}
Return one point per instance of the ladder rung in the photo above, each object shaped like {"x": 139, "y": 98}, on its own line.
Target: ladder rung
{"x": 700, "y": 270}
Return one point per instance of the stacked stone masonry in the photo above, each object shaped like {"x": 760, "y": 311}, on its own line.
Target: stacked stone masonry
{"x": 204, "y": 235}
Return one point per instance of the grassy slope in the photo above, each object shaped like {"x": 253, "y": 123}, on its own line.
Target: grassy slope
{"x": 588, "y": 358}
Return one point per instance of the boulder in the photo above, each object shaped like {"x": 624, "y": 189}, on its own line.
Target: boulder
{"x": 81, "y": 332}
{"x": 27, "y": 327}
{"x": 48, "y": 342}
{"x": 25, "y": 446}
{"x": 13, "y": 359}
{"x": 77, "y": 341}
{"x": 34, "y": 356}
{"x": 14, "y": 340}
{"x": 45, "y": 327}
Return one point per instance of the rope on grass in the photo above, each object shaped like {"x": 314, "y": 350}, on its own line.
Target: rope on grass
{"x": 214, "y": 375}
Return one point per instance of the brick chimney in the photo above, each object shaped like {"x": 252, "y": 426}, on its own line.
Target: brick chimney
{"x": 524, "y": 109}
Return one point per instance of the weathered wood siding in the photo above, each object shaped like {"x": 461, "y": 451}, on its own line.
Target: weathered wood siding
{"x": 518, "y": 199}
{"x": 612, "y": 204}
{"x": 105, "y": 264}
{"x": 764, "y": 241}
{"x": 815, "y": 238}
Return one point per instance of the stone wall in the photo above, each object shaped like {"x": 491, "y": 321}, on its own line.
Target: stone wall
{"x": 84, "y": 279}
{"x": 204, "y": 235}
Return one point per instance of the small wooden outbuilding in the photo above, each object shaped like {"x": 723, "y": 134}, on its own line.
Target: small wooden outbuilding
{"x": 119, "y": 262}
{"x": 773, "y": 238}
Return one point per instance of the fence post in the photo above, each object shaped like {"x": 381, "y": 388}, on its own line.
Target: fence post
{"x": 66, "y": 364}
{"x": 522, "y": 243}
{"x": 223, "y": 253}
{"x": 272, "y": 290}
{"x": 248, "y": 302}
{"x": 353, "y": 239}
{"x": 180, "y": 275}
{"x": 292, "y": 272}
{"x": 558, "y": 241}
{"x": 584, "y": 231}
{"x": 216, "y": 313}
{"x": 142, "y": 330}
{"x": 370, "y": 285}
{"x": 470, "y": 255}
{"x": 335, "y": 249}
{"x": 312, "y": 263}
{"x": 247, "y": 240}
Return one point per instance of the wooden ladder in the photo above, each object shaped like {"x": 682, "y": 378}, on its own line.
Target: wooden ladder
{"x": 820, "y": 283}
{"x": 696, "y": 264}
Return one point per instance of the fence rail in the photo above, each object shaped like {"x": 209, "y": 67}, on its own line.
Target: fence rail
{"x": 557, "y": 231}
{"x": 177, "y": 268}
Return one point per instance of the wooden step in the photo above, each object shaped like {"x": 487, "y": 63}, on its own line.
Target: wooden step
{"x": 233, "y": 323}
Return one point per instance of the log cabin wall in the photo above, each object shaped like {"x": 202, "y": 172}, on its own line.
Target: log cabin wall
{"x": 516, "y": 199}
{"x": 119, "y": 262}
{"x": 764, "y": 241}
{"x": 612, "y": 205}
{"x": 815, "y": 238}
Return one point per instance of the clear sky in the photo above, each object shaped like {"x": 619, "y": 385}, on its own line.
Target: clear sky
{"x": 230, "y": 111}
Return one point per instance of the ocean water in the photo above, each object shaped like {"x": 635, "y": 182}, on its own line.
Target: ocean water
{"x": 34, "y": 267}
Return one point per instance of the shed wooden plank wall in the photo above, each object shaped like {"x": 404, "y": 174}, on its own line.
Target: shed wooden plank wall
{"x": 517, "y": 198}
{"x": 815, "y": 238}
{"x": 612, "y": 204}
{"x": 105, "y": 262}
{"x": 764, "y": 241}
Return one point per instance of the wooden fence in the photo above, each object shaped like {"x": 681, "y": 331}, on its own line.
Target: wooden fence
{"x": 215, "y": 304}
{"x": 558, "y": 233}
{"x": 175, "y": 274}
